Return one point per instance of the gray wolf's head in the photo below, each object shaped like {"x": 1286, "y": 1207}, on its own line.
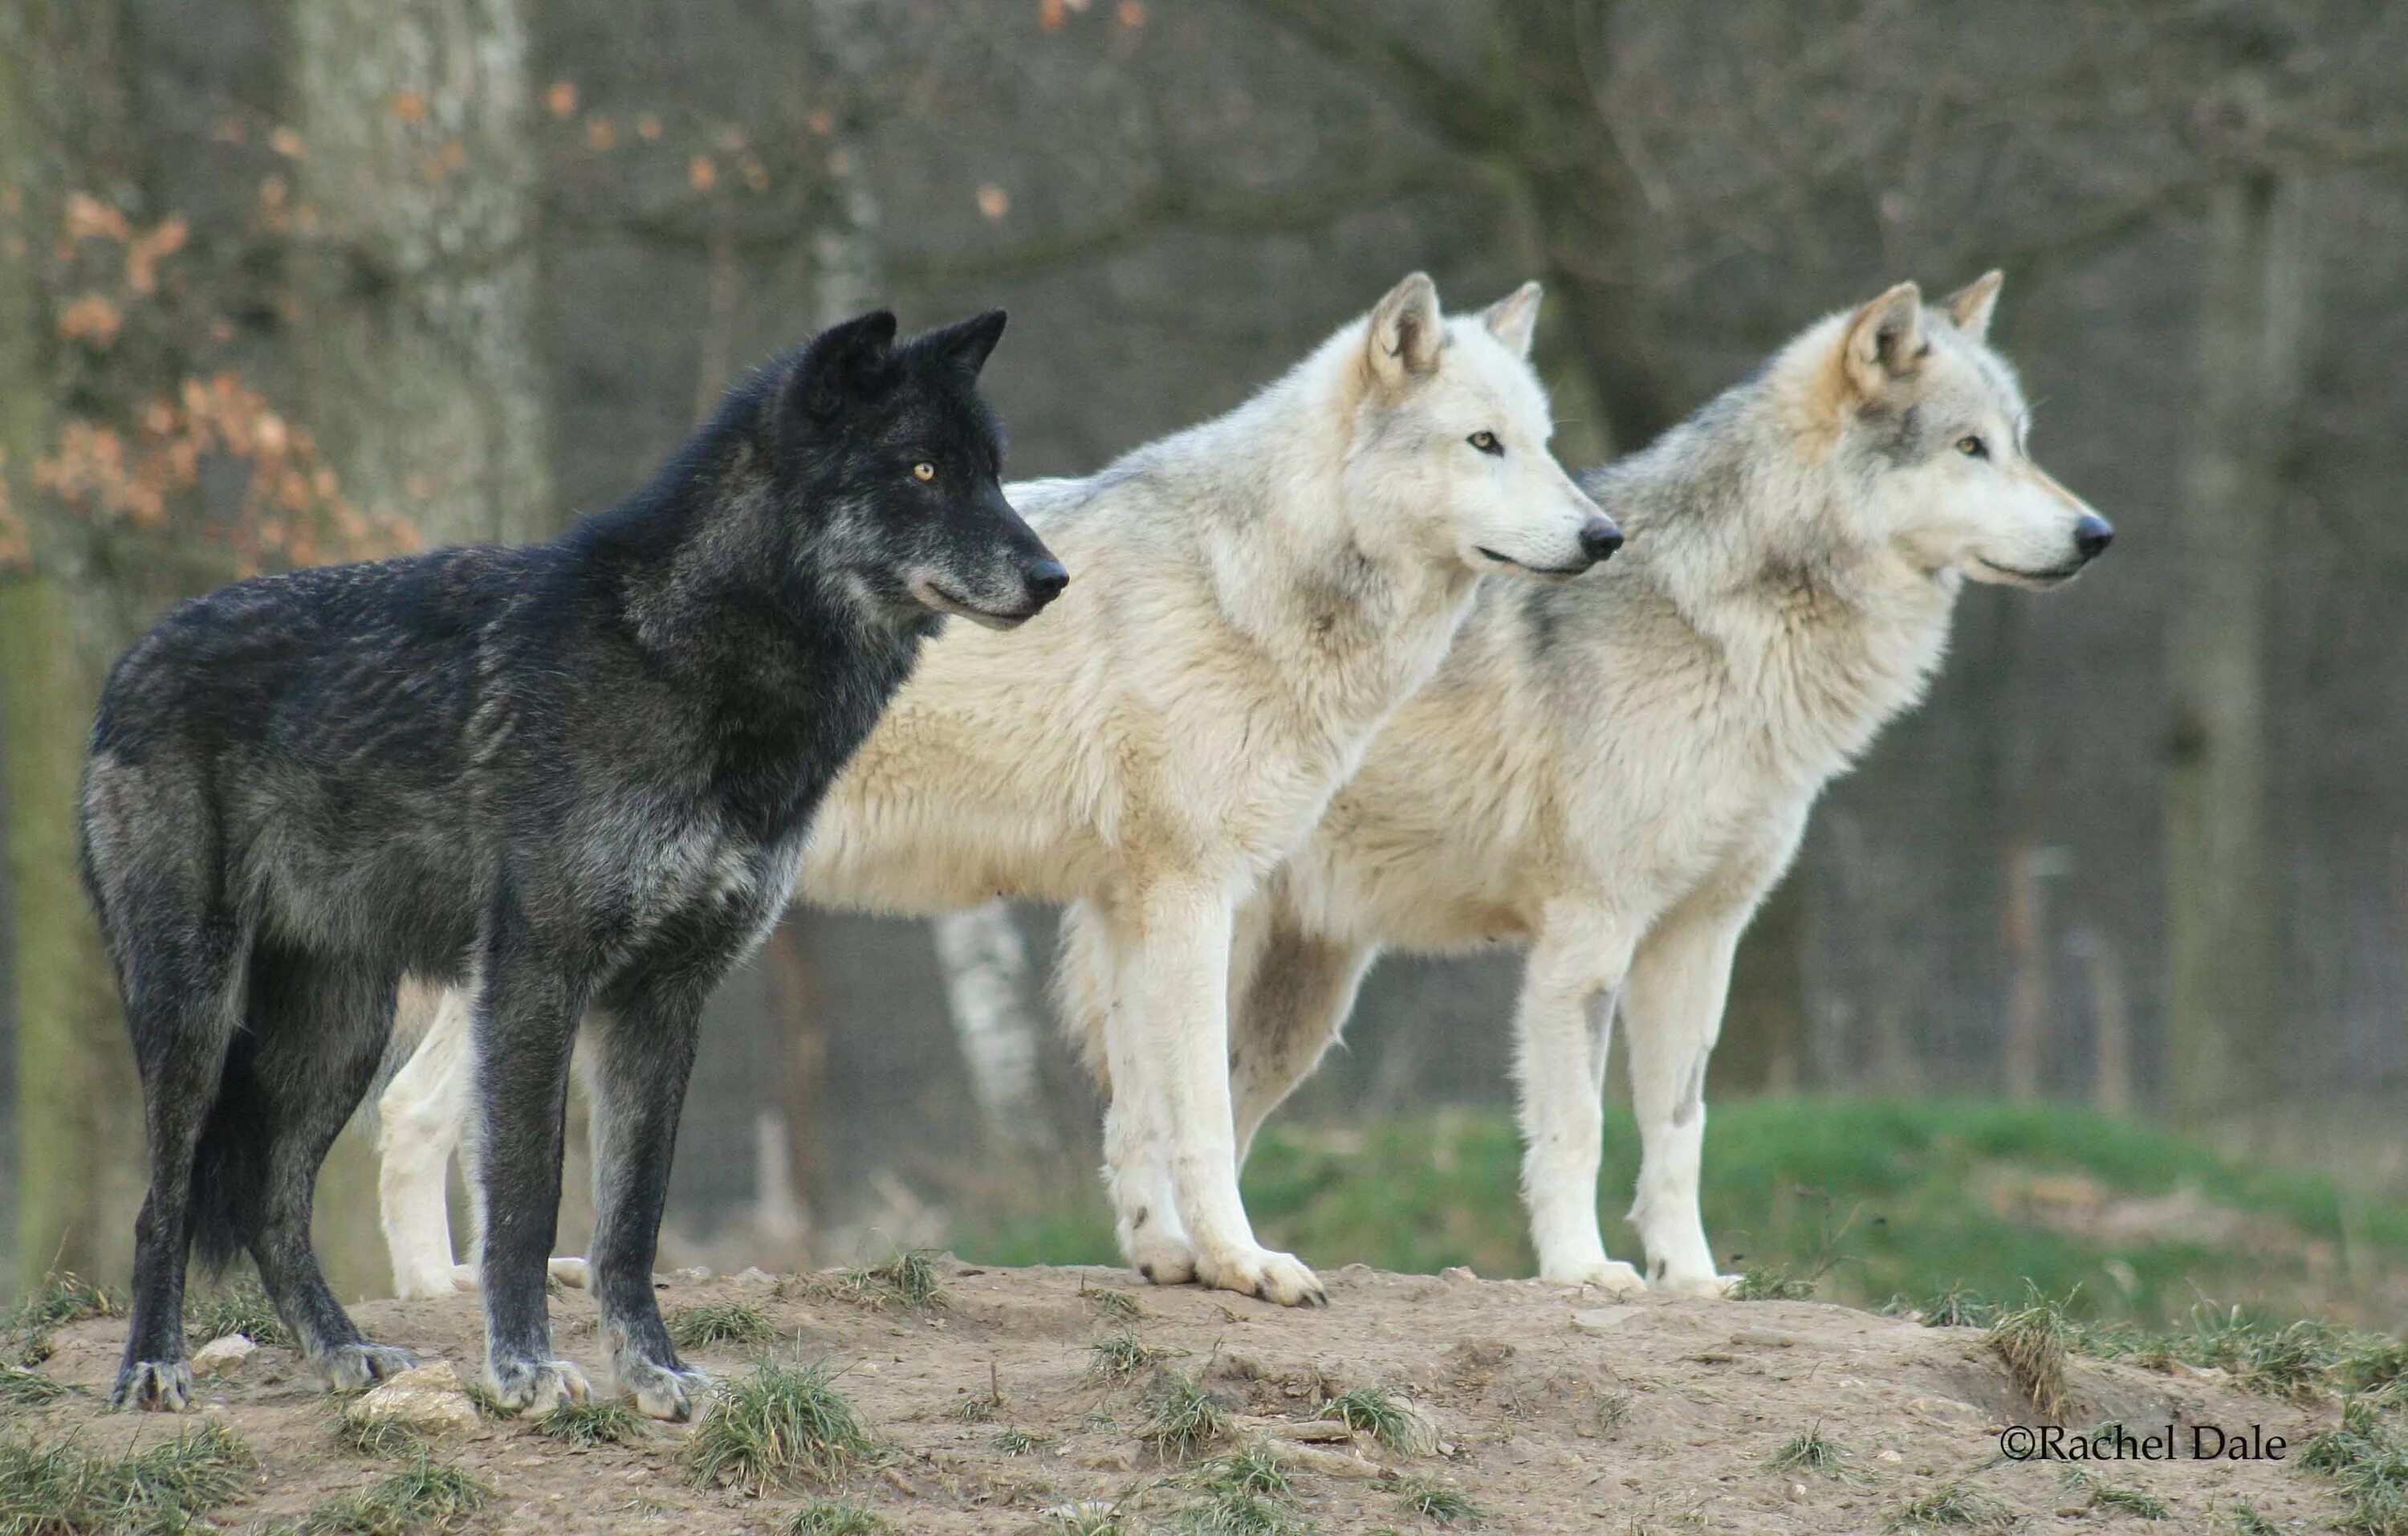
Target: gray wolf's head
{"x": 1450, "y": 437}
{"x": 905, "y": 457}
{"x": 1934, "y": 424}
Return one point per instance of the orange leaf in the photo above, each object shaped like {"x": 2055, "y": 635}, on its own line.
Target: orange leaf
{"x": 993, "y": 201}
{"x": 91, "y": 318}
{"x": 599, "y": 133}
{"x": 702, "y": 173}
{"x": 1132, "y": 13}
{"x": 408, "y": 105}
{"x": 1050, "y": 15}
{"x": 284, "y": 141}
{"x": 561, "y": 97}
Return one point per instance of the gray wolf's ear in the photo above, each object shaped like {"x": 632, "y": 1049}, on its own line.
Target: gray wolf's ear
{"x": 965, "y": 344}
{"x": 853, "y": 361}
{"x": 1970, "y": 307}
{"x": 1407, "y": 331}
{"x": 1883, "y": 340}
{"x": 1512, "y": 319}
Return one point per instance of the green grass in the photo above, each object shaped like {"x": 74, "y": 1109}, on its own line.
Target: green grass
{"x": 2114, "y": 1499}
{"x": 597, "y": 1421}
{"x": 1871, "y": 1197}
{"x": 1771, "y": 1283}
{"x": 60, "y": 1490}
{"x": 1951, "y": 1507}
{"x": 62, "y": 1298}
{"x": 781, "y": 1428}
{"x": 1017, "y": 1442}
{"x": 379, "y": 1435}
{"x": 1437, "y": 1501}
{"x": 838, "y": 1517}
{"x": 242, "y": 1308}
{"x": 1809, "y": 1450}
{"x": 718, "y": 1323}
{"x": 1186, "y": 1416}
{"x": 2031, "y": 1342}
{"x": 1087, "y": 1518}
{"x": 426, "y": 1496}
{"x": 909, "y": 1279}
{"x": 1391, "y": 1420}
{"x": 24, "y": 1388}
{"x": 1121, "y": 1355}
{"x": 2366, "y": 1458}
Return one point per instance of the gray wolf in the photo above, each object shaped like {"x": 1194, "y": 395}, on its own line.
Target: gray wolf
{"x": 1257, "y": 595}
{"x": 572, "y": 780}
{"x": 1613, "y": 774}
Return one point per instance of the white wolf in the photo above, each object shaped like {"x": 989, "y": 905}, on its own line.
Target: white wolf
{"x": 1614, "y": 774}
{"x": 1254, "y": 597}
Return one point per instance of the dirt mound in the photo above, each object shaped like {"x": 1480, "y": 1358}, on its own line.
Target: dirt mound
{"x": 1546, "y": 1410}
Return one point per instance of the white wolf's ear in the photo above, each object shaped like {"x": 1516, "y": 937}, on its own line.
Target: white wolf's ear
{"x": 1970, "y": 307}
{"x": 1512, "y": 319}
{"x": 1407, "y": 331}
{"x": 1884, "y": 341}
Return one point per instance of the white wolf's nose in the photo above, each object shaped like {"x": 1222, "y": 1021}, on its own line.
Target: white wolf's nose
{"x": 1599, "y": 539}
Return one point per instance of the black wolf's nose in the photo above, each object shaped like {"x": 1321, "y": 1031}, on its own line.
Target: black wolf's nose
{"x": 1599, "y": 539}
{"x": 1046, "y": 578}
{"x": 2091, "y": 535}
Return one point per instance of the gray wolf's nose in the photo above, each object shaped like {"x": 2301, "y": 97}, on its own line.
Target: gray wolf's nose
{"x": 1046, "y": 578}
{"x": 2091, "y": 535}
{"x": 1599, "y": 539}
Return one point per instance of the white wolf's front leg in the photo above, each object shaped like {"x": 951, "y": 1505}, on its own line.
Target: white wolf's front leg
{"x": 1562, "y": 1024}
{"x": 1168, "y": 1043}
{"x": 1673, "y": 1009}
{"x": 419, "y": 1122}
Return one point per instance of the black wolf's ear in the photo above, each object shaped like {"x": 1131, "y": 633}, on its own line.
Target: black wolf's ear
{"x": 1970, "y": 307}
{"x": 1407, "y": 332}
{"x": 965, "y": 344}
{"x": 1512, "y": 319}
{"x": 1883, "y": 340}
{"x": 854, "y": 361}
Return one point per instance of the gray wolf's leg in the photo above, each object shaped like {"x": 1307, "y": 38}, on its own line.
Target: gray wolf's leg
{"x": 1563, "y": 1023}
{"x": 418, "y": 1124}
{"x": 524, "y": 1027}
{"x": 1290, "y": 994}
{"x": 329, "y": 1020}
{"x": 1674, "y": 1008}
{"x": 642, "y": 1054}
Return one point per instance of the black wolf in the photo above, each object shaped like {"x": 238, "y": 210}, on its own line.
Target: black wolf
{"x": 575, "y": 778}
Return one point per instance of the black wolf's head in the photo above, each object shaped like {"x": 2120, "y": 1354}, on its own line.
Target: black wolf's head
{"x": 900, "y": 457}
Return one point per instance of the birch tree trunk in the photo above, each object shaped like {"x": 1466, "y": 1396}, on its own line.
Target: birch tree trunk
{"x": 2222, "y": 1005}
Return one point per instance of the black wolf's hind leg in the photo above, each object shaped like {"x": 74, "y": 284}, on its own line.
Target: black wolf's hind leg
{"x": 525, "y": 1025}
{"x": 319, "y": 1028}
{"x": 641, "y": 1057}
{"x": 182, "y": 987}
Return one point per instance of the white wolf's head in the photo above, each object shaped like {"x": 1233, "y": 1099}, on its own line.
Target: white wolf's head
{"x": 1450, "y": 437}
{"x": 1933, "y": 423}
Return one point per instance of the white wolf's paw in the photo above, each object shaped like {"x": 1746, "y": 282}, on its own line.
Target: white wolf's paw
{"x": 464, "y": 1278}
{"x": 1698, "y": 1284}
{"x": 438, "y": 1279}
{"x": 1258, "y": 1271}
{"x": 568, "y": 1271}
{"x": 350, "y": 1367}
{"x": 659, "y": 1392}
{"x": 1162, "y": 1258}
{"x": 1612, "y": 1276}
{"x": 162, "y": 1386}
{"x": 533, "y": 1387}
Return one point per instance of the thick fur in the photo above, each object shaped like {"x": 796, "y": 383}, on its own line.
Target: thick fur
{"x": 1613, "y": 774}
{"x": 1256, "y": 596}
{"x": 570, "y": 780}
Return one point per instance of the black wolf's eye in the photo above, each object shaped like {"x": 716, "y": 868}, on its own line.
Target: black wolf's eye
{"x": 1972, "y": 446}
{"x": 924, "y": 470}
{"x": 1486, "y": 442}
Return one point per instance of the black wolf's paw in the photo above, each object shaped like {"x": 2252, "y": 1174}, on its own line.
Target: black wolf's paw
{"x": 659, "y": 1391}
{"x": 533, "y": 1387}
{"x": 349, "y": 1367}
{"x": 164, "y": 1386}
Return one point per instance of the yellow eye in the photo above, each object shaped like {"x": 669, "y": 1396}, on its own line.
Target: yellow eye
{"x": 1486, "y": 442}
{"x": 1973, "y": 447}
{"x": 924, "y": 470}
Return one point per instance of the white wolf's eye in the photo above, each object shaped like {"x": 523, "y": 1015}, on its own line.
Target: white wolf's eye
{"x": 924, "y": 470}
{"x": 1972, "y": 446}
{"x": 1486, "y": 442}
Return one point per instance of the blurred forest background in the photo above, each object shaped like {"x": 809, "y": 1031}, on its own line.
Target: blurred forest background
{"x": 295, "y": 280}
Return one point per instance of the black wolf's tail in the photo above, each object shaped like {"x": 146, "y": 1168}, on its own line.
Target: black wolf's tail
{"x": 229, "y": 1165}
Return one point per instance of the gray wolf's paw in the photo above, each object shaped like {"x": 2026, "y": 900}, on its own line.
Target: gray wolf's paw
{"x": 1612, "y": 1276}
{"x": 164, "y": 1386}
{"x": 533, "y": 1387}
{"x": 1259, "y": 1271}
{"x": 350, "y": 1367}
{"x": 660, "y": 1392}
{"x": 1696, "y": 1284}
{"x": 1161, "y": 1257}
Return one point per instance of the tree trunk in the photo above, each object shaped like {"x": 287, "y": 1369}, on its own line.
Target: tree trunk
{"x": 2221, "y": 998}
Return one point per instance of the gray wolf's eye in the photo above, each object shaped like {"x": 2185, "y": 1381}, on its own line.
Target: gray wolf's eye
{"x": 924, "y": 470}
{"x": 1972, "y": 446}
{"x": 1486, "y": 442}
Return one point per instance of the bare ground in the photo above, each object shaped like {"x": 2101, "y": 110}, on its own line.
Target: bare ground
{"x": 1557, "y": 1411}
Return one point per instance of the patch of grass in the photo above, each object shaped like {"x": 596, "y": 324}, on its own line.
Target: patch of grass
{"x": 1186, "y": 1416}
{"x": 1017, "y": 1442}
{"x": 1953, "y": 1506}
{"x": 718, "y": 1323}
{"x": 1809, "y": 1450}
{"x": 2107, "y": 1496}
{"x": 1771, "y": 1283}
{"x": 62, "y": 1298}
{"x": 2367, "y": 1459}
{"x": 909, "y": 1279}
{"x": 2246, "y": 1521}
{"x": 1958, "y": 1307}
{"x": 778, "y": 1427}
{"x": 1119, "y": 1356}
{"x": 1434, "y": 1500}
{"x": 1613, "y": 1414}
{"x": 839, "y": 1517}
{"x": 1114, "y": 1306}
{"x": 242, "y": 1308}
{"x": 1390, "y": 1419}
{"x": 1088, "y": 1517}
{"x": 2030, "y": 1342}
{"x": 987, "y": 1406}
{"x": 379, "y": 1435}
{"x": 428, "y": 1496}
{"x": 24, "y": 1388}
{"x": 60, "y": 1490}
{"x": 594, "y": 1422}
{"x": 1253, "y": 1468}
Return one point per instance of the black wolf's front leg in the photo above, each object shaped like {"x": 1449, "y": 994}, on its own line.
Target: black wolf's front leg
{"x": 643, "y": 1054}
{"x": 525, "y": 1027}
